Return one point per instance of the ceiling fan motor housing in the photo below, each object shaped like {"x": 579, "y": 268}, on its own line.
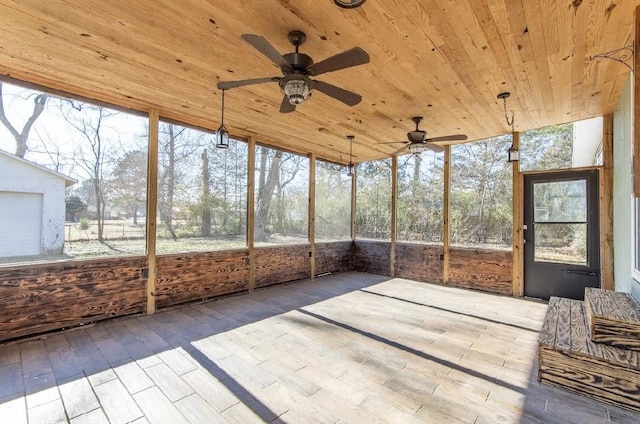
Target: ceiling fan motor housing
{"x": 298, "y": 61}
{"x": 417, "y": 135}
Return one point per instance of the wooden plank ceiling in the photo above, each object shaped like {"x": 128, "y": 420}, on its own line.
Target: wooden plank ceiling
{"x": 446, "y": 60}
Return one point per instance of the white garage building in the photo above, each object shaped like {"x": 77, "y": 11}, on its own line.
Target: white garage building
{"x": 32, "y": 207}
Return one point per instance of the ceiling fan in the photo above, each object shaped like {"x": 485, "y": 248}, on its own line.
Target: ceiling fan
{"x": 297, "y": 68}
{"x": 417, "y": 141}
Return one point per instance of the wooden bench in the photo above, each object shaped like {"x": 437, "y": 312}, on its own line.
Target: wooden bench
{"x": 570, "y": 360}
{"x": 613, "y": 317}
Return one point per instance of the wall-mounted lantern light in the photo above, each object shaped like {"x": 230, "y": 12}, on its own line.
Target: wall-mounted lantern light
{"x": 513, "y": 154}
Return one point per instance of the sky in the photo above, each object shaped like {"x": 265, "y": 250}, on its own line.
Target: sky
{"x": 52, "y": 134}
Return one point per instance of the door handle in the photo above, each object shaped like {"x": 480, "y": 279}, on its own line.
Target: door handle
{"x": 589, "y": 272}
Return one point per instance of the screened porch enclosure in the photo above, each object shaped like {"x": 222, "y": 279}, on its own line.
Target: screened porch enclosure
{"x": 400, "y": 221}
{"x": 161, "y": 217}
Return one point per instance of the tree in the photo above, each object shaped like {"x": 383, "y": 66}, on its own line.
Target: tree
{"x": 167, "y": 184}
{"x": 177, "y": 171}
{"x": 333, "y": 201}
{"x": 547, "y": 148}
{"x": 228, "y": 175}
{"x": 127, "y": 184}
{"x": 282, "y": 197}
{"x": 267, "y": 181}
{"x": 420, "y": 197}
{"x": 206, "y": 196}
{"x": 22, "y": 137}
{"x": 289, "y": 168}
{"x": 74, "y": 208}
{"x": 481, "y": 192}
{"x": 96, "y": 151}
{"x": 373, "y": 217}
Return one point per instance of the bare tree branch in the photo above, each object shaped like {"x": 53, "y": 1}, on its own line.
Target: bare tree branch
{"x": 22, "y": 138}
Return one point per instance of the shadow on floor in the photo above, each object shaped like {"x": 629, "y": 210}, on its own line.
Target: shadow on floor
{"x": 59, "y": 358}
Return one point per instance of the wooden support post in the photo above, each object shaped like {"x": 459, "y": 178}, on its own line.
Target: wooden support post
{"x": 251, "y": 184}
{"x": 394, "y": 214}
{"x": 606, "y": 206}
{"x": 152, "y": 207}
{"x": 312, "y": 213}
{"x": 353, "y": 203}
{"x": 517, "y": 218}
{"x": 636, "y": 106}
{"x": 445, "y": 214}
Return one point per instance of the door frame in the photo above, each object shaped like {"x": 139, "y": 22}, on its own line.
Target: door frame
{"x": 603, "y": 220}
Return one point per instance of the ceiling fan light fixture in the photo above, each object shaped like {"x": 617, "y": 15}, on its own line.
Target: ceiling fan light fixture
{"x": 296, "y": 90}
{"x": 349, "y": 4}
{"x": 417, "y": 148}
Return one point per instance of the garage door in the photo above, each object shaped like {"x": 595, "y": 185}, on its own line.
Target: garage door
{"x": 20, "y": 224}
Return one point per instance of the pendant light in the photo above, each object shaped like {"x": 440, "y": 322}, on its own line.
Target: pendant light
{"x": 351, "y": 166}
{"x": 513, "y": 154}
{"x": 222, "y": 135}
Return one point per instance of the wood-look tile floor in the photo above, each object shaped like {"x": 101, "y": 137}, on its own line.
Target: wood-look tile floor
{"x": 352, "y": 347}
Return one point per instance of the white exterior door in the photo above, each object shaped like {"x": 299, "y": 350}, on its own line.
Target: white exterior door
{"x": 20, "y": 224}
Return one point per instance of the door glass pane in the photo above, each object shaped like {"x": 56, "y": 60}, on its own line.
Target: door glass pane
{"x": 561, "y": 243}
{"x": 560, "y": 201}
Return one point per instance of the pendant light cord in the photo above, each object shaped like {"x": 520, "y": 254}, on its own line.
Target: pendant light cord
{"x": 351, "y": 137}
{"x": 223, "y": 107}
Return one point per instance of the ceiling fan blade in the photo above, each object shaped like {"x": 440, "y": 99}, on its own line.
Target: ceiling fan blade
{"x": 352, "y": 57}
{"x": 392, "y": 142}
{"x": 347, "y": 97}
{"x": 434, "y": 147}
{"x": 225, "y": 85}
{"x": 402, "y": 150}
{"x": 263, "y": 46}
{"x": 454, "y": 137}
{"x": 286, "y": 106}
